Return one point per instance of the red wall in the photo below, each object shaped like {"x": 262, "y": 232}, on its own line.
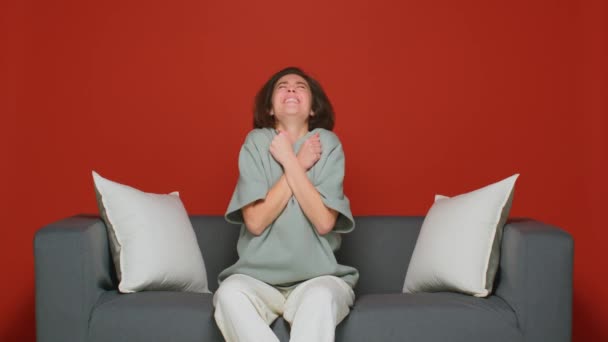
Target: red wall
{"x": 431, "y": 97}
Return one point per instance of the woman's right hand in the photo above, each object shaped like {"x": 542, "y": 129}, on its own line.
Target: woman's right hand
{"x": 310, "y": 152}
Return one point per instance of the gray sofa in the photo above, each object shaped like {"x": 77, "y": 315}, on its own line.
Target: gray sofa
{"x": 77, "y": 300}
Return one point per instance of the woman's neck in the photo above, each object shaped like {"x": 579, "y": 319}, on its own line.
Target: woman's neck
{"x": 295, "y": 132}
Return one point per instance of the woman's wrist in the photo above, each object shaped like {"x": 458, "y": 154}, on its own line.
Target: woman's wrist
{"x": 301, "y": 163}
{"x": 292, "y": 161}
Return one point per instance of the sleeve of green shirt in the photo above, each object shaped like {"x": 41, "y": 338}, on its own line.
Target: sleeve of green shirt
{"x": 251, "y": 186}
{"x": 330, "y": 185}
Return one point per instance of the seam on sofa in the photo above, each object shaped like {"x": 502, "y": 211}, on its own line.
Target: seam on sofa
{"x": 94, "y": 307}
{"x": 518, "y": 320}
{"x": 526, "y": 271}
{"x": 510, "y": 307}
{"x": 83, "y": 264}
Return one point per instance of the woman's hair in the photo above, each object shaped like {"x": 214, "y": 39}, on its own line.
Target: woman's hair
{"x": 323, "y": 111}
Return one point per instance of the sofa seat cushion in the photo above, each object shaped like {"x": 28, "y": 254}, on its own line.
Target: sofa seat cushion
{"x": 154, "y": 316}
{"x": 423, "y": 317}
{"x": 426, "y": 317}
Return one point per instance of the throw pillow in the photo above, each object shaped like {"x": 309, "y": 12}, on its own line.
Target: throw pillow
{"x": 151, "y": 238}
{"x": 458, "y": 248}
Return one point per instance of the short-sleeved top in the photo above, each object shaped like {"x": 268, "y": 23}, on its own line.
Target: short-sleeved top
{"x": 290, "y": 250}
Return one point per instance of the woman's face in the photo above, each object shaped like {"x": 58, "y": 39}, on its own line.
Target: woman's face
{"x": 291, "y": 97}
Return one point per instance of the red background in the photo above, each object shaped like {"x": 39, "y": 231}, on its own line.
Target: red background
{"x": 432, "y": 96}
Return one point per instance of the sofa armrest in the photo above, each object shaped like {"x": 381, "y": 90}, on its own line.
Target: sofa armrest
{"x": 73, "y": 268}
{"x": 536, "y": 279}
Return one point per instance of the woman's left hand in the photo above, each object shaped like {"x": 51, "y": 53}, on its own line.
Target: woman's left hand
{"x": 281, "y": 148}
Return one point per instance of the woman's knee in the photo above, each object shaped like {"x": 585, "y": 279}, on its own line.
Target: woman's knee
{"x": 319, "y": 294}
{"x": 231, "y": 288}
{"x": 327, "y": 290}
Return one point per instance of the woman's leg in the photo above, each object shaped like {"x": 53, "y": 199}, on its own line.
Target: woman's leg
{"x": 245, "y": 307}
{"x": 315, "y": 307}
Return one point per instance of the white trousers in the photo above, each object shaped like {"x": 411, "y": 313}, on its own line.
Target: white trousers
{"x": 245, "y": 307}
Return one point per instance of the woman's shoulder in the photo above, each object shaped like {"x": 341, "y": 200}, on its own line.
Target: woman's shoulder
{"x": 328, "y": 138}
{"x": 259, "y": 136}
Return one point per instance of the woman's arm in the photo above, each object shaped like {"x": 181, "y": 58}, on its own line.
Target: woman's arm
{"x": 322, "y": 217}
{"x": 260, "y": 214}
{"x": 296, "y": 180}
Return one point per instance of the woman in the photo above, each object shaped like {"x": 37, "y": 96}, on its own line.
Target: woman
{"x": 292, "y": 210}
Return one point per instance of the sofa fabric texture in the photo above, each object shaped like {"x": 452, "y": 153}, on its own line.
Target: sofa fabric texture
{"x": 77, "y": 298}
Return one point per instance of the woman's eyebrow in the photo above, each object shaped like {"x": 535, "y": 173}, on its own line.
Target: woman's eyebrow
{"x": 297, "y": 83}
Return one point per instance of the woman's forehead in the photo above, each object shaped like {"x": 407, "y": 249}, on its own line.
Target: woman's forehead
{"x": 291, "y": 78}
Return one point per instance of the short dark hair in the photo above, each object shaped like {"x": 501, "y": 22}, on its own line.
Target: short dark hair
{"x": 323, "y": 111}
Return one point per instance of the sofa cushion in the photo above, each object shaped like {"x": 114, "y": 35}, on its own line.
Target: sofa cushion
{"x": 458, "y": 248}
{"x": 426, "y": 317}
{"x": 390, "y": 241}
{"x": 380, "y": 248}
{"x": 151, "y": 238}
{"x": 179, "y": 316}
{"x": 161, "y": 316}
{"x": 154, "y": 316}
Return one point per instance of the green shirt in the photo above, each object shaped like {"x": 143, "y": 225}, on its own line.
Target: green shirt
{"x": 290, "y": 250}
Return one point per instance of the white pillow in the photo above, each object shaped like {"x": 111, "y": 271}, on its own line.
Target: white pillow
{"x": 151, "y": 238}
{"x": 458, "y": 248}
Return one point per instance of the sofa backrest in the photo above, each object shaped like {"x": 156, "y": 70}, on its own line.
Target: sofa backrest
{"x": 380, "y": 247}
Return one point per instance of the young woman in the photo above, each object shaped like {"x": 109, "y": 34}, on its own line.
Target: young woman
{"x": 290, "y": 204}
